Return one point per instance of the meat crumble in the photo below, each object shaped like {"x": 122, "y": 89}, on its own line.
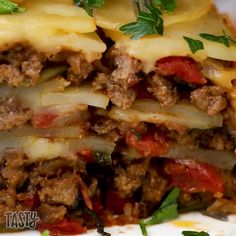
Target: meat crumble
{"x": 22, "y": 65}
{"x": 163, "y": 90}
{"x": 210, "y": 99}
{"x": 13, "y": 114}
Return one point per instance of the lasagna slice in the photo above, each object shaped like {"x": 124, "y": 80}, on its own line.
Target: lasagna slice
{"x": 174, "y": 107}
{"x": 98, "y": 130}
{"x": 49, "y": 53}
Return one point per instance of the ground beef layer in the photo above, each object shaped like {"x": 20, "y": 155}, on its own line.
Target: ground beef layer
{"x": 133, "y": 189}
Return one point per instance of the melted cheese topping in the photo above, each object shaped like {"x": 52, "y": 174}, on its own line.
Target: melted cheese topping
{"x": 116, "y": 13}
{"x": 150, "y": 49}
{"x": 51, "y": 26}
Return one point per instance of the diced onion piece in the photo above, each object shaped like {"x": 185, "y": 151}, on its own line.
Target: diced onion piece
{"x": 62, "y": 132}
{"x": 221, "y": 159}
{"x": 125, "y": 13}
{"x": 45, "y": 149}
{"x": 218, "y": 74}
{"x": 83, "y": 95}
{"x": 93, "y": 143}
{"x": 182, "y": 114}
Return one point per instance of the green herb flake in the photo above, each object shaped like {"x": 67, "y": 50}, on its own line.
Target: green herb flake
{"x": 143, "y": 228}
{"x": 51, "y": 72}
{"x": 148, "y": 22}
{"x": 167, "y": 211}
{"x": 194, "y": 233}
{"x": 137, "y": 134}
{"x": 45, "y": 233}
{"x": 8, "y": 7}
{"x": 88, "y": 5}
{"x": 102, "y": 158}
{"x": 194, "y": 45}
{"x": 223, "y": 39}
{"x": 167, "y": 5}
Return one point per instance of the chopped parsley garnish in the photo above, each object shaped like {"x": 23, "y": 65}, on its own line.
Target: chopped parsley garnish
{"x": 194, "y": 233}
{"x": 167, "y": 211}
{"x": 148, "y": 22}
{"x": 8, "y": 7}
{"x": 45, "y": 233}
{"x": 88, "y": 5}
{"x": 223, "y": 39}
{"x": 167, "y": 5}
{"x": 194, "y": 45}
{"x": 102, "y": 158}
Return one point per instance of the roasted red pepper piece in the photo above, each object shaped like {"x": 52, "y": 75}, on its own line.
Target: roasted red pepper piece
{"x": 193, "y": 177}
{"x": 115, "y": 203}
{"x": 183, "y": 67}
{"x": 29, "y": 201}
{"x": 85, "y": 155}
{"x": 44, "y": 119}
{"x": 149, "y": 145}
{"x": 63, "y": 227}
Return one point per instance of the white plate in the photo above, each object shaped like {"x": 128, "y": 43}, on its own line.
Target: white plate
{"x": 192, "y": 221}
{"x": 227, "y": 7}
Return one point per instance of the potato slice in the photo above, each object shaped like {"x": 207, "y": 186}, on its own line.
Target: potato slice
{"x": 37, "y": 148}
{"x": 61, "y": 132}
{"x": 94, "y": 143}
{"x": 30, "y": 97}
{"x": 221, "y": 159}
{"x": 83, "y": 95}
{"x": 116, "y": 13}
{"x": 45, "y": 149}
{"x": 63, "y": 16}
{"x": 182, "y": 114}
{"x": 52, "y": 26}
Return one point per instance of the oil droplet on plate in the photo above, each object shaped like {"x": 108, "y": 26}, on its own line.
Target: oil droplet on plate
{"x": 185, "y": 223}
